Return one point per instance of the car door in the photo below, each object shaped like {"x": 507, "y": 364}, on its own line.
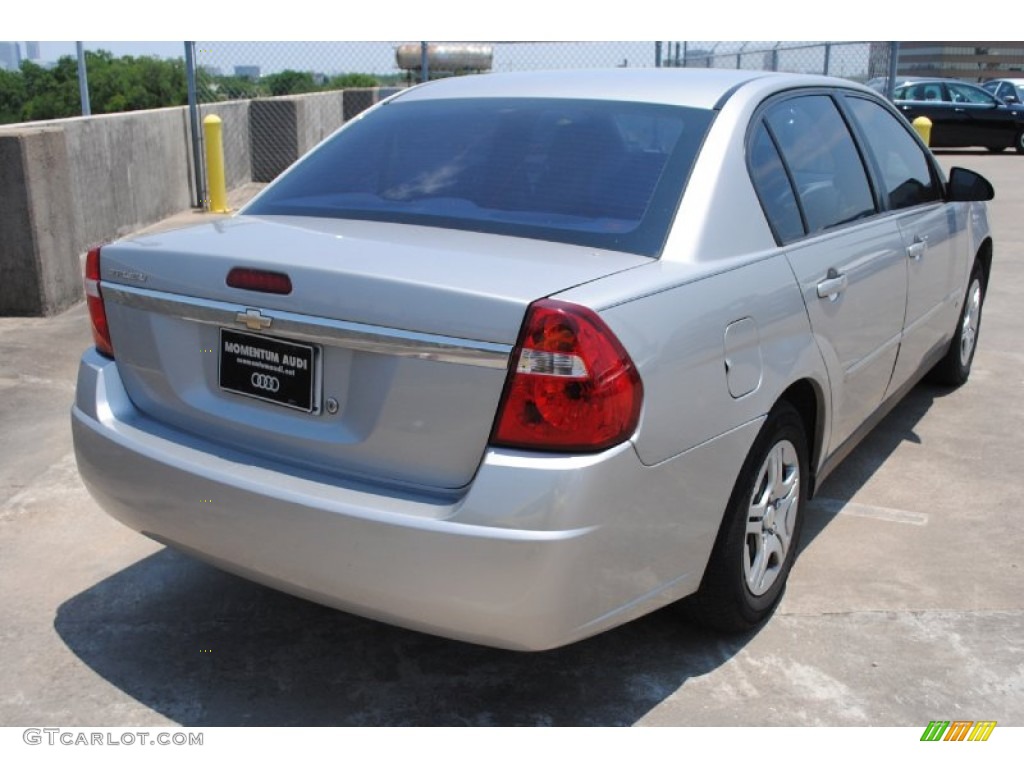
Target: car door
{"x": 933, "y": 232}
{"x": 848, "y": 261}
{"x": 983, "y": 120}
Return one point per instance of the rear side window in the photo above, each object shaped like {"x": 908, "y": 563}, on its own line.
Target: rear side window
{"x": 596, "y": 173}
{"x": 907, "y": 176}
{"x": 773, "y": 187}
{"x": 823, "y": 161}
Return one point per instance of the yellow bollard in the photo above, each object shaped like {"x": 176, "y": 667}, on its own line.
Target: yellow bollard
{"x": 923, "y": 126}
{"x": 213, "y": 133}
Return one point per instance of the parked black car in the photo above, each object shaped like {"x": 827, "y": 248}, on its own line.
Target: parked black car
{"x": 962, "y": 114}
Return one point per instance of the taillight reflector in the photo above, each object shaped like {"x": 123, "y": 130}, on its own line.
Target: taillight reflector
{"x": 260, "y": 280}
{"x": 94, "y": 301}
{"x": 573, "y": 387}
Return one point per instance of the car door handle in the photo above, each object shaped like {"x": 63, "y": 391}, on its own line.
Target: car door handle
{"x": 832, "y": 286}
{"x": 916, "y": 249}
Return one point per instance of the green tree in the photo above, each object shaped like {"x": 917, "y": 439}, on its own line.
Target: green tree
{"x": 12, "y": 96}
{"x": 52, "y": 93}
{"x": 289, "y": 81}
{"x": 227, "y": 88}
{"x": 115, "y": 85}
{"x": 352, "y": 80}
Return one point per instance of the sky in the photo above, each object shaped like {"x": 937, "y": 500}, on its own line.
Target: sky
{"x": 475, "y": 20}
{"x": 364, "y": 26}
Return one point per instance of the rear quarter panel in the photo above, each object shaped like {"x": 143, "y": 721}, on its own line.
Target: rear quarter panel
{"x": 675, "y": 334}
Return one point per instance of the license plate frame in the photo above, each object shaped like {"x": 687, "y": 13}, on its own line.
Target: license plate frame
{"x": 268, "y": 368}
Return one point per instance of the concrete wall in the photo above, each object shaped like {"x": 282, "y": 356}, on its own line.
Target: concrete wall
{"x": 127, "y": 170}
{"x": 66, "y": 185}
{"x": 284, "y": 128}
{"x": 39, "y": 266}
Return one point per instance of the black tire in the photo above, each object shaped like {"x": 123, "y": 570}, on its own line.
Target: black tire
{"x": 738, "y": 590}
{"x": 1018, "y": 144}
{"x": 995, "y": 149}
{"x": 954, "y": 369}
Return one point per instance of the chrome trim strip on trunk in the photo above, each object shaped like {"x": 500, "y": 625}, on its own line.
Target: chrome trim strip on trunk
{"x": 340, "y": 333}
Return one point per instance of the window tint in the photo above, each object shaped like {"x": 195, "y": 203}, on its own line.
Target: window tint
{"x": 962, "y": 93}
{"x": 832, "y": 186}
{"x": 602, "y": 174}
{"x": 906, "y": 173}
{"x": 921, "y": 92}
{"x": 773, "y": 187}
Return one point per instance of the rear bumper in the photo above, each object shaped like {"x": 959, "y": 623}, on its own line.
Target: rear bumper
{"x": 539, "y": 551}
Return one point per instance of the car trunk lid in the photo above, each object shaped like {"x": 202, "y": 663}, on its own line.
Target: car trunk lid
{"x": 386, "y": 361}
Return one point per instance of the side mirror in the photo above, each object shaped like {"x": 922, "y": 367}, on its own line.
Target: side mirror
{"x": 967, "y": 187}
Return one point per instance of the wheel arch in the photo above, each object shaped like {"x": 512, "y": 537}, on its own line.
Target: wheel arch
{"x": 808, "y": 398}
{"x": 984, "y": 257}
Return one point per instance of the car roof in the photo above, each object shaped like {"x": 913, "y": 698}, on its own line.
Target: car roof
{"x": 1011, "y": 80}
{"x": 915, "y": 80}
{"x": 700, "y": 88}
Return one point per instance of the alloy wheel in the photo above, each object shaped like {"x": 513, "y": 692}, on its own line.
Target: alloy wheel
{"x": 969, "y": 328}
{"x": 772, "y": 517}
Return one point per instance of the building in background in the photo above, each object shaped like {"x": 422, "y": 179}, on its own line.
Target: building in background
{"x": 250, "y": 71}
{"x": 974, "y": 61}
{"x": 32, "y": 51}
{"x": 10, "y": 56}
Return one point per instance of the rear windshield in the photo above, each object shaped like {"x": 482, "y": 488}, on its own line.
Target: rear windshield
{"x": 596, "y": 173}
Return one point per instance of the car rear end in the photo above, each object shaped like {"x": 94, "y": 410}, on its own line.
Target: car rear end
{"x": 377, "y": 401}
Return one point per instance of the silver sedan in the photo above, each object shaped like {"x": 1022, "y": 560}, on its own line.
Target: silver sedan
{"x": 517, "y": 358}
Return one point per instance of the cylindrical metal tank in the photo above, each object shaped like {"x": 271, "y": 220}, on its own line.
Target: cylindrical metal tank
{"x": 446, "y": 57}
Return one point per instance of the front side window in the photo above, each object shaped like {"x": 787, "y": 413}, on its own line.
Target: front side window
{"x": 816, "y": 145}
{"x": 597, "y": 173}
{"x": 961, "y": 93}
{"x": 907, "y": 175}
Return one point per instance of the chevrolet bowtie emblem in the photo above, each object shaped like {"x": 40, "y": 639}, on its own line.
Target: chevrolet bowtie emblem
{"x": 253, "y": 320}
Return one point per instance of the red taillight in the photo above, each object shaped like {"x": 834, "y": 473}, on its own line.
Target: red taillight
{"x": 94, "y": 299}
{"x": 259, "y": 280}
{"x": 573, "y": 387}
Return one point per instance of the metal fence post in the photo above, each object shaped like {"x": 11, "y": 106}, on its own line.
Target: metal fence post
{"x": 657, "y": 53}
{"x": 894, "y": 57}
{"x": 424, "y": 63}
{"x": 828, "y": 55}
{"x": 193, "y": 117}
{"x": 83, "y": 81}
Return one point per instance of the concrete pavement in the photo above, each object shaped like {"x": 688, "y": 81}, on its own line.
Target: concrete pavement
{"x": 904, "y": 606}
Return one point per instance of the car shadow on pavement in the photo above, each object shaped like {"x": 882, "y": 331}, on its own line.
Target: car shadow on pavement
{"x": 205, "y": 648}
{"x": 874, "y": 450}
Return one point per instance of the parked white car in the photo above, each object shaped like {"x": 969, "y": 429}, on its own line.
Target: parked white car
{"x": 517, "y": 358}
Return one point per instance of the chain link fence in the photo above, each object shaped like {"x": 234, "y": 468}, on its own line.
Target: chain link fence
{"x": 276, "y": 100}
{"x": 859, "y": 61}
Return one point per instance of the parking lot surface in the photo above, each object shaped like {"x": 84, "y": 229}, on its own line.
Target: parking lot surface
{"x": 904, "y": 605}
